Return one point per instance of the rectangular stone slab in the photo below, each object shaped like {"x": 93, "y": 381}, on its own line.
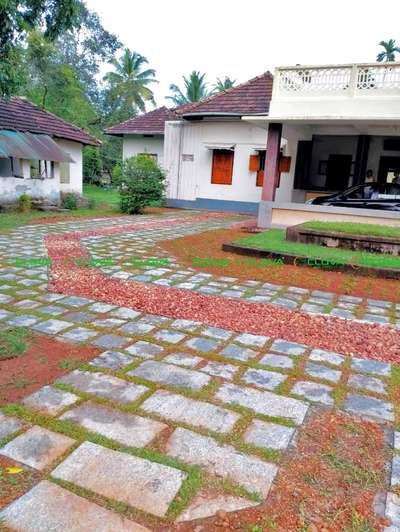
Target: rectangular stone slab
{"x": 145, "y": 485}
{"x": 128, "y": 429}
{"x": 266, "y": 403}
{"x": 169, "y": 374}
{"x": 222, "y": 460}
{"x": 48, "y": 507}
{"x": 105, "y": 386}
{"x": 181, "y": 409}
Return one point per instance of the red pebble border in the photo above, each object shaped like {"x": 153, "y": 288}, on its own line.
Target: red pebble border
{"x": 349, "y": 337}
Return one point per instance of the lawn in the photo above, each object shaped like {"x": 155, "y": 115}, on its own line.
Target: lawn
{"x": 102, "y": 196}
{"x": 274, "y": 241}
{"x": 355, "y": 228}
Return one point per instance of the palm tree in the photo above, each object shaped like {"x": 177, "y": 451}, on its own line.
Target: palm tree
{"x": 223, "y": 85}
{"x": 389, "y": 52}
{"x": 128, "y": 84}
{"x": 195, "y": 89}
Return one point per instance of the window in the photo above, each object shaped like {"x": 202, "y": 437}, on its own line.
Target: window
{"x": 222, "y": 167}
{"x": 65, "y": 176}
{"x": 42, "y": 169}
{"x": 10, "y": 167}
{"x": 260, "y": 173}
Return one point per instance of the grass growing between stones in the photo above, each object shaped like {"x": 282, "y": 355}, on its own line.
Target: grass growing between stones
{"x": 13, "y": 342}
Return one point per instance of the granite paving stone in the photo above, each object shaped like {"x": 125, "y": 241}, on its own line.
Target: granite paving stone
{"x": 217, "y": 333}
{"x": 128, "y": 429}
{"x": 37, "y": 447}
{"x": 277, "y": 361}
{"x": 101, "y": 308}
{"x": 74, "y": 301}
{"x": 171, "y": 337}
{"x": 288, "y": 348}
{"x": 369, "y": 407}
{"x": 144, "y": 349}
{"x": 186, "y": 325}
{"x": 8, "y": 425}
{"x": 80, "y": 317}
{"x": 322, "y": 372}
{"x": 374, "y": 367}
{"x": 111, "y": 341}
{"x": 222, "y": 460}
{"x": 51, "y": 508}
{"x": 23, "y": 320}
{"x": 205, "y": 345}
{"x": 268, "y": 435}
{"x": 184, "y": 410}
{"x": 364, "y": 382}
{"x": 137, "y": 328}
{"x": 52, "y": 326}
{"x": 106, "y": 386}
{"x": 112, "y": 360}
{"x": 183, "y": 359}
{"x": 145, "y": 485}
{"x": 320, "y": 355}
{"x": 315, "y": 392}
{"x": 108, "y": 323}
{"x": 50, "y": 400}
{"x": 170, "y": 374}
{"x": 204, "y": 505}
{"x": 395, "y": 475}
{"x": 393, "y": 512}
{"x": 264, "y": 378}
{"x": 80, "y": 334}
{"x": 238, "y": 353}
{"x": 217, "y": 369}
{"x": 263, "y": 402}
{"x": 125, "y": 313}
{"x": 251, "y": 340}
{"x": 52, "y": 310}
{"x": 397, "y": 440}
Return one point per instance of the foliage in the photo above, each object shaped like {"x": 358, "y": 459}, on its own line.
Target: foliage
{"x": 223, "y": 85}
{"x": 141, "y": 182}
{"x": 24, "y": 203}
{"x": 69, "y": 201}
{"x": 92, "y": 164}
{"x": 195, "y": 89}
{"x": 355, "y": 228}
{"x": 127, "y": 86}
{"x": 389, "y": 52}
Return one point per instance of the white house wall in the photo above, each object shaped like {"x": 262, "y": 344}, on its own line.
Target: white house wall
{"x": 135, "y": 144}
{"x": 74, "y": 149}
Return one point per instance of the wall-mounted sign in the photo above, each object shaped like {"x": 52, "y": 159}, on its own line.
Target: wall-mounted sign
{"x": 187, "y": 157}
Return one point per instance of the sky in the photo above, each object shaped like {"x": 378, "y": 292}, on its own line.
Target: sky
{"x": 242, "y": 39}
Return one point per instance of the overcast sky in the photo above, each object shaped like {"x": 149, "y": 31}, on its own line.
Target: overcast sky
{"x": 242, "y": 39}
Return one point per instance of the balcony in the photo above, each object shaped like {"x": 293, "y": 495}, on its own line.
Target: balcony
{"x": 358, "y": 90}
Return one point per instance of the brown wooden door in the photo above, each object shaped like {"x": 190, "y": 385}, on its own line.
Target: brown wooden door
{"x": 222, "y": 167}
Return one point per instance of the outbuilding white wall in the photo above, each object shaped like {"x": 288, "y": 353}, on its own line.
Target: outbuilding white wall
{"x": 189, "y": 173}
{"x": 75, "y": 169}
{"x": 135, "y": 144}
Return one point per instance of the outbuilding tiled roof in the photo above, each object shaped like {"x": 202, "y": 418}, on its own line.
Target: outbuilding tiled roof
{"x": 251, "y": 97}
{"x": 18, "y": 114}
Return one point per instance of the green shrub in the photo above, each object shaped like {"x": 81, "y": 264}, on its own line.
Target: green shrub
{"x": 92, "y": 203}
{"x": 141, "y": 182}
{"x": 24, "y": 203}
{"x": 69, "y": 201}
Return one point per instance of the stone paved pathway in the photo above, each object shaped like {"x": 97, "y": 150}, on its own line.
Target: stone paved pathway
{"x": 168, "y": 396}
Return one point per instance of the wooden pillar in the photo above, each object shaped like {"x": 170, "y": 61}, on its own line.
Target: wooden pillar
{"x": 360, "y": 167}
{"x": 271, "y": 177}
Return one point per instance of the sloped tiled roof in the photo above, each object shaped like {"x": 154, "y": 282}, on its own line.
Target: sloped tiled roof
{"x": 151, "y": 123}
{"x": 251, "y": 97}
{"x": 18, "y": 114}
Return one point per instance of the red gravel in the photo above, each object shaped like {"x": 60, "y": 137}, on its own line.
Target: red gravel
{"x": 348, "y": 337}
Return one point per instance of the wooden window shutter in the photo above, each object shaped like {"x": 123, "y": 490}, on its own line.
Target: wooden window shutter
{"x": 222, "y": 167}
{"x": 284, "y": 164}
{"x": 260, "y": 178}
{"x": 254, "y": 163}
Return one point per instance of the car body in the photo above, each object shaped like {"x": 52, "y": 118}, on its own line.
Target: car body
{"x": 381, "y": 196}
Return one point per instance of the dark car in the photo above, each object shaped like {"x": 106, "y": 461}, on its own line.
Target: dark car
{"x": 383, "y": 196}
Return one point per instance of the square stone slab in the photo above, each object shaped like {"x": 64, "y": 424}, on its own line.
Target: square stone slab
{"x": 205, "y": 345}
{"x": 51, "y": 326}
{"x": 137, "y": 328}
{"x": 288, "y": 348}
{"x": 101, "y": 308}
{"x": 80, "y": 317}
{"x": 171, "y": 337}
{"x": 8, "y": 425}
{"x": 320, "y": 355}
{"x": 128, "y": 429}
{"x": 364, "y": 382}
{"x": 395, "y": 476}
{"x": 369, "y": 407}
{"x": 145, "y": 485}
{"x": 217, "y": 333}
{"x": 74, "y": 301}
{"x": 184, "y": 410}
{"x": 144, "y": 349}
{"x": 277, "y": 361}
{"x": 238, "y": 353}
{"x": 48, "y": 507}
{"x": 263, "y": 402}
{"x": 49, "y": 400}
{"x": 263, "y": 378}
{"x": 52, "y": 310}
{"x": 80, "y": 334}
{"x": 183, "y": 359}
{"x": 23, "y": 321}
{"x": 222, "y": 460}
{"x": 313, "y": 391}
{"x": 108, "y": 323}
{"x": 374, "y": 367}
{"x": 268, "y": 435}
{"x": 204, "y": 505}
{"x": 251, "y": 340}
{"x": 169, "y": 374}
{"x": 186, "y": 325}
{"x": 106, "y": 386}
{"x": 112, "y": 360}
{"x": 110, "y": 341}
{"x": 125, "y": 313}
{"x": 393, "y": 512}
{"x": 322, "y": 372}
{"x": 217, "y": 369}
{"x": 37, "y": 447}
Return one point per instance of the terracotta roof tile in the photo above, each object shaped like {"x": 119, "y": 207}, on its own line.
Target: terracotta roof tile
{"x": 151, "y": 123}
{"x": 18, "y": 114}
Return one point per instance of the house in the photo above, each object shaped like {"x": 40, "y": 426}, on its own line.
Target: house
{"x": 213, "y": 159}
{"x": 40, "y": 154}
{"x": 341, "y": 125}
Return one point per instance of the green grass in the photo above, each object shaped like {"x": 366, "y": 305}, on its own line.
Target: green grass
{"x": 274, "y": 241}
{"x": 355, "y": 228}
{"x": 106, "y": 197}
{"x": 13, "y": 342}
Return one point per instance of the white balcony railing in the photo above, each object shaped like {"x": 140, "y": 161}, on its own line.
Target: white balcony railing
{"x": 337, "y": 80}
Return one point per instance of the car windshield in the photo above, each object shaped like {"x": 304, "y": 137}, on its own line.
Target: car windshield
{"x": 374, "y": 191}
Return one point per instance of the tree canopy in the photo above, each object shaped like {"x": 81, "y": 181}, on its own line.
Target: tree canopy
{"x": 389, "y": 51}
{"x": 194, "y": 89}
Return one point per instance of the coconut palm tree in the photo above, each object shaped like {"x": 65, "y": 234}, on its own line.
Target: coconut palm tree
{"x": 223, "y": 85}
{"x": 389, "y": 52}
{"x": 195, "y": 89}
{"x": 128, "y": 84}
